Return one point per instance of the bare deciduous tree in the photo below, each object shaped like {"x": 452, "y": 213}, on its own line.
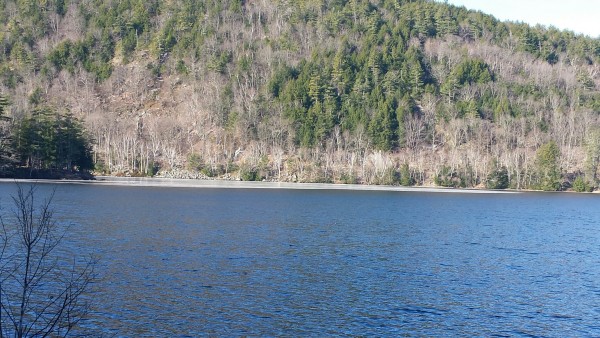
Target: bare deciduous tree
{"x": 42, "y": 292}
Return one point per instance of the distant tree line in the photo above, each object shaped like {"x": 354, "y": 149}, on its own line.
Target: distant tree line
{"x": 388, "y": 92}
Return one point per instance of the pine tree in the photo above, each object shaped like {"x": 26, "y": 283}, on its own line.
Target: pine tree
{"x": 5, "y": 148}
{"x": 548, "y": 170}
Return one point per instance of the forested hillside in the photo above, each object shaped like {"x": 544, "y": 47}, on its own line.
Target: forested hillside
{"x": 376, "y": 92}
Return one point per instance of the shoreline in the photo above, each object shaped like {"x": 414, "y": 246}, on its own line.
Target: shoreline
{"x": 188, "y": 183}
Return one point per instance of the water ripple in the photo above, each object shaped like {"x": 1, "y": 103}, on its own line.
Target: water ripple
{"x": 212, "y": 262}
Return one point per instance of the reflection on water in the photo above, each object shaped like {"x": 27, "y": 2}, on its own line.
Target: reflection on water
{"x": 234, "y": 262}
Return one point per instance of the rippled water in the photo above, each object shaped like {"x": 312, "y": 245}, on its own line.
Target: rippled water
{"x": 234, "y": 262}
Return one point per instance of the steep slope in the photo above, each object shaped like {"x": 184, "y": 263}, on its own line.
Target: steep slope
{"x": 384, "y": 92}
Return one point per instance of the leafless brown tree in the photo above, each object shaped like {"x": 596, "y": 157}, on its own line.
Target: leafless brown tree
{"x": 42, "y": 292}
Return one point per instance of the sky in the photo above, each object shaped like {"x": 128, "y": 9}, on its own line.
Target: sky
{"x": 579, "y": 16}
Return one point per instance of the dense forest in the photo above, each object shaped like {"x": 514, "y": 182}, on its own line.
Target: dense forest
{"x": 408, "y": 92}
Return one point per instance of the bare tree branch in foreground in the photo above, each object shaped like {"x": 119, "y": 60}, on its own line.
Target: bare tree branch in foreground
{"x": 42, "y": 292}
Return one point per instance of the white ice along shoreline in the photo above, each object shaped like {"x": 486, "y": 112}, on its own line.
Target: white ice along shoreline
{"x": 186, "y": 183}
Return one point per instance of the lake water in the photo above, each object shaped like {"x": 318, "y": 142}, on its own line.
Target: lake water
{"x": 247, "y": 262}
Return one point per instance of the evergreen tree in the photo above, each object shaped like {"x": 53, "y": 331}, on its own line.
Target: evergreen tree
{"x": 47, "y": 140}
{"x": 5, "y": 147}
{"x": 383, "y": 126}
{"x": 497, "y": 178}
{"x": 548, "y": 170}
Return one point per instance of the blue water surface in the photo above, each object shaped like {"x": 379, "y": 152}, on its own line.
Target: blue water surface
{"x": 248, "y": 262}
